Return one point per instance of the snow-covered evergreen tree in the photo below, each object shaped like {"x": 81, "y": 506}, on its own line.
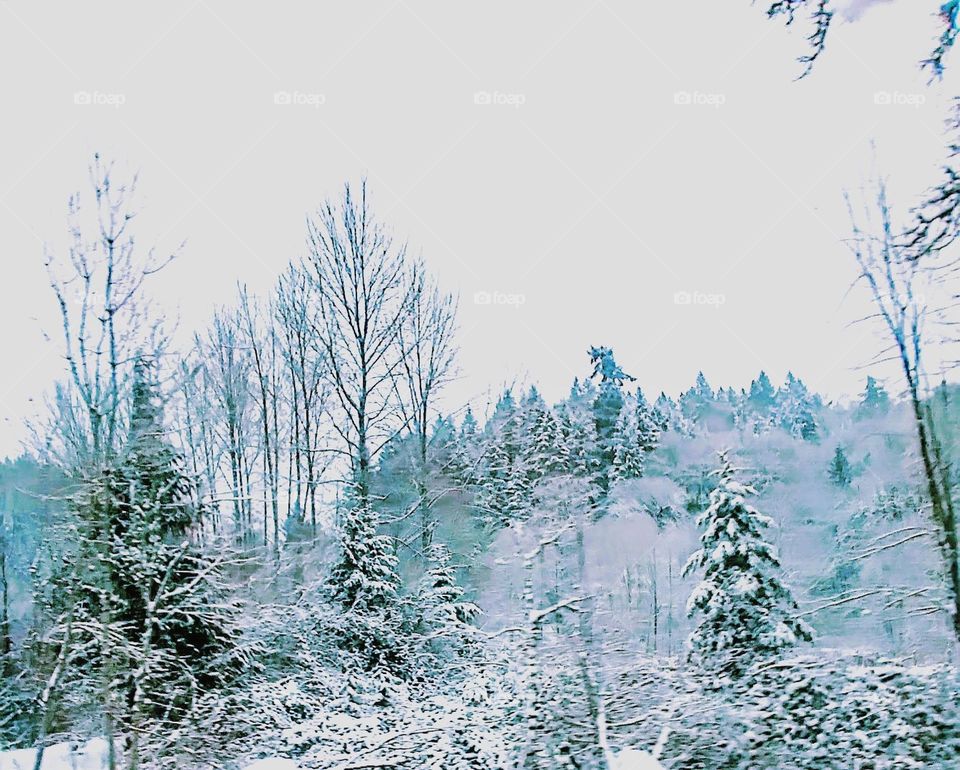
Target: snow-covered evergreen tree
{"x": 840, "y": 471}
{"x": 762, "y": 394}
{"x": 695, "y": 401}
{"x": 742, "y": 605}
{"x": 874, "y": 401}
{"x": 575, "y": 418}
{"x": 129, "y": 586}
{"x": 795, "y": 409}
{"x": 649, "y": 424}
{"x": 440, "y": 599}
{"x": 548, "y": 448}
{"x": 463, "y": 463}
{"x": 606, "y": 408}
{"x": 365, "y": 575}
{"x": 627, "y": 448}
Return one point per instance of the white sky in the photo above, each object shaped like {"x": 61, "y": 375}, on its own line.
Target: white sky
{"x": 597, "y": 199}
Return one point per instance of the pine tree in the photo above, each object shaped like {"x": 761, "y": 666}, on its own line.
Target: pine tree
{"x": 840, "y": 471}
{"x": 744, "y": 608}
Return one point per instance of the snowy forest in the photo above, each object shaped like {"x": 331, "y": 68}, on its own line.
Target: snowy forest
{"x": 273, "y": 542}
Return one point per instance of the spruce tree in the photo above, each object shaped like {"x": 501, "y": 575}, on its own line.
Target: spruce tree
{"x": 439, "y": 596}
{"x": 548, "y": 448}
{"x": 795, "y": 409}
{"x": 606, "y": 408}
{"x": 627, "y": 451}
{"x": 137, "y": 593}
{"x": 840, "y": 471}
{"x": 365, "y": 577}
{"x": 464, "y": 455}
{"x": 762, "y": 394}
{"x": 743, "y": 607}
{"x": 874, "y": 402}
{"x": 697, "y": 400}
{"x": 649, "y": 424}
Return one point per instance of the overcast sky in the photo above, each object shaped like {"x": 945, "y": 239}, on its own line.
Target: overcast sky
{"x": 576, "y": 171}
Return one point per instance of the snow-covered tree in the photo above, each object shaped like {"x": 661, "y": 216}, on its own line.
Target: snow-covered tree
{"x": 762, "y": 394}
{"x": 365, "y": 575}
{"x": 649, "y": 424}
{"x": 548, "y": 449}
{"x": 840, "y": 472}
{"x": 744, "y": 608}
{"x": 440, "y": 599}
{"x": 129, "y": 595}
{"x": 696, "y": 400}
{"x": 627, "y": 448}
{"x": 607, "y": 407}
{"x": 795, "y": 409}
{"x": 874, "y": 401}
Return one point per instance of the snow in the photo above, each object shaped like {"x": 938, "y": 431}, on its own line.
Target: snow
{"x": 59, "y": 756}
{"x": 273, "y": 764}
{"x": 632, "y": 759}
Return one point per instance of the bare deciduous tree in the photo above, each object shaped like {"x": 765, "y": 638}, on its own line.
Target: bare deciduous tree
{"x": 892, "y": 275}
{"x": 105, "y": 317}
{"x": 427, "y": 354}
{"x": 307, "y": 391}
{"x": 228, "y": 362}
{"x": 357, "y": 276}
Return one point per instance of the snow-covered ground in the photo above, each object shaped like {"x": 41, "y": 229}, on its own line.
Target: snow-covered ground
{"x": 93, "y": 755}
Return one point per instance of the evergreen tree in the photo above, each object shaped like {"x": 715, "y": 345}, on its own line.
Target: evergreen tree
{"x": 795, "y": 409}
{"x": 762, "y": 394}
{"x": 578, "y": 428}
{"x": 464, "y": 455}
{"x": 840, "y": 471}
{"x": 743, "y": 606}
{"x": 627, "y": 451}
{"x": 697, "y": 400}
{"x": 439, "y": 596}
{"x": 662, "y": 410}
{"x": 365, "y": 577}
{"x": 130, "y": 585}
{"x": 548, "y": 450}
{"x": 874, "y": 402}
{"x": 606, "y": 408}
{"x": 649, "y": 424}
{"x": 500, "y": 485}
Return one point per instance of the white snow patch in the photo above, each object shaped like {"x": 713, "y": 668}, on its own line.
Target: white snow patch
{"x": 632, "y": 759}
{"x": 273, "y": 764}
{"x": 94, "y": 755}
